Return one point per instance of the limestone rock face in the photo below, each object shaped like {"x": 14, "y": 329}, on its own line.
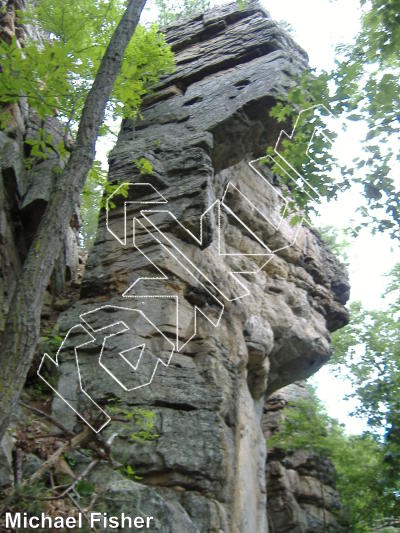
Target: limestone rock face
{"x": 301, "y": 491}
{"x": 214, "y": 276}
{"x": 25, "y": 190}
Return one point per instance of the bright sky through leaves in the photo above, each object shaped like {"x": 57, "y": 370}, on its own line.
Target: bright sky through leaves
{"x": 319, "y": 26}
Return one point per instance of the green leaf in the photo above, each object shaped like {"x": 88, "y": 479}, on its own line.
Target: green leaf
{"x": 84, "y": 488}
{"x": 144, "y": 166}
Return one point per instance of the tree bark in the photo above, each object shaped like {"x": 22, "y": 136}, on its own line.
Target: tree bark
{"x": 22, "y": 326}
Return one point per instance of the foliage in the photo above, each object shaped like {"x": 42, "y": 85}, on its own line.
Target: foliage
{"x": 41, "y": 147}
{"x": 143, "y": 165}
{"x": 50, "y": 340}
{"x": 171, "y": 11}
{"x": 338, "y": 244}
{"x": 94, "y": 197}
{"x": 85, "y": 488}
{"x": 303, "y": 159}
{"x": 140, "y": 419}
{"x": 145, "y": 422}
{"x": 28, "y": 497}
{"x": 91, "y": 199}
{"x": 367, "y": 81}
{"x": 130, "y": 473}
{"x": 308, "y": 427}
{"x": 56, "y": 73}
{"x": 364, "y": 86}
{"x": 142, "y": 422}
{"x": 358, "y": 460}
{"x": 38, "y": 390}
{"x": 367, "y": 351}
{"x": 359, "y": 463}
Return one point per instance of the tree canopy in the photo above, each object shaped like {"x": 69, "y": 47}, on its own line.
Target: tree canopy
{"x": 360, "y": 463}
{"x": 367, "y": 352}
{"x": 172, "y": 11}
{"x": 363, "y": 87}
{"x": 56, "y": 70}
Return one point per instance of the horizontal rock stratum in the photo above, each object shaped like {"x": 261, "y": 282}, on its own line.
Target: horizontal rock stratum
{"x": 242, "y": 300}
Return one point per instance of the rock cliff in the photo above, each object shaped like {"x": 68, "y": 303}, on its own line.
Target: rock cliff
{"x": 197, "y": 263}
{"x": 301, "y": 492}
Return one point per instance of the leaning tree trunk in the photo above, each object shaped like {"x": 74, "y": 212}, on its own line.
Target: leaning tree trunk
{"x": 22, "y": 326}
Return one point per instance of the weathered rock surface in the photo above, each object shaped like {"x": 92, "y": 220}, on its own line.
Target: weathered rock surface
{"x": 301, "y": 492}
{"x": 6, "y": 460}
{"x": 24, "y": 191}
{"x": 253, "y": 333}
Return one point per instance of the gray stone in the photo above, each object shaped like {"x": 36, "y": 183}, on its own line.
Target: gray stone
{"x": 301, "y": 491}
{"x": 124, "y": 495}
{"x": 199, "y": 129}
{"x": 6, "y": 461}
{"x": 30, "y": 464}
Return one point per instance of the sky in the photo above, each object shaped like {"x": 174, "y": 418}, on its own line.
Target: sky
{"x": 319, "y": 26}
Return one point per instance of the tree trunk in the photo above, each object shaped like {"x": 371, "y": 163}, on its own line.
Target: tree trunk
{"x": 22, "y": 326}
